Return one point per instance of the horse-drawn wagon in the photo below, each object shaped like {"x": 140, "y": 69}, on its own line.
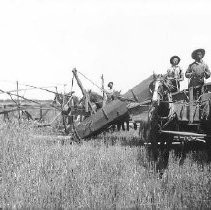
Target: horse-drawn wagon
{"x": 164, "y": 117}
{"x": 183, "y": 116}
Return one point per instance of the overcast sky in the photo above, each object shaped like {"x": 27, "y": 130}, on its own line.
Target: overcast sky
{"x": 41, "y": 41}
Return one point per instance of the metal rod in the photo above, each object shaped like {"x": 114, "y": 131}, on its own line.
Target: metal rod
{"x": 12, "y": 94}
{"x": 25, "y": 89}
{"x": 50, "y": 91}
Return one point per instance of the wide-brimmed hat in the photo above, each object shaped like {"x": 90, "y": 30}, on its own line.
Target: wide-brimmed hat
{"x": 172, "y": 58}
{"x": 194, "y": 53}
{"x": 110, "y": 83}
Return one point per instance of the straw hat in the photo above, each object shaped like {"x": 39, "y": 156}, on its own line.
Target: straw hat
{"x": 194, "y": 53}
{"x": 110, "y": 83}
{"x": 172, "y": 58}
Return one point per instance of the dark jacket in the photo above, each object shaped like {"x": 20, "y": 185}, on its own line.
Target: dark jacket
{"x": 197, "y": 71}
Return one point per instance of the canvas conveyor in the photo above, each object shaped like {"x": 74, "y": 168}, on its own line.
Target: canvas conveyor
{"x": 114, "y": 111}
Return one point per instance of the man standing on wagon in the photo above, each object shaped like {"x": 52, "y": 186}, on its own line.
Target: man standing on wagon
{"x": 174, "y": 73}
{"x": 197, "y": 72}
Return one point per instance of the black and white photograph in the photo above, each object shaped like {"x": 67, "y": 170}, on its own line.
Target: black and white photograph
{"x": 105, "y": 104}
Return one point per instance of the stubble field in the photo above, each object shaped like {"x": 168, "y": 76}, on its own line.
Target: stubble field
{"x": 103, "y": 173}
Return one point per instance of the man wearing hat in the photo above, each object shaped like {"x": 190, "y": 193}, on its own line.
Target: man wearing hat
{"x": 174, "y": 73}
{"x": 110, "y": 91}
{"x": 198, "y": 70}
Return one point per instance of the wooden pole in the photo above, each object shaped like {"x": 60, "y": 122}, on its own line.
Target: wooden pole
{"x": 104, "y": 94}
{"x": 63, "y": 103}
{"x": 79, "y": 82}
{"x": 84, "y": 92}
{"x": 191, "y": 108}
{"x": 18, "y": 102}
{"x": 41, "y": 112}
{"x": 6, "y": 116}
{"x": 102, "y": 78}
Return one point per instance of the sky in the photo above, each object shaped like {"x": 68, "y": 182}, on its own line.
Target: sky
{"x": 41, "y": 41}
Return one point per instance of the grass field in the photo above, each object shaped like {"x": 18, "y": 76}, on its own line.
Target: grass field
{"x": 98, "y": 174}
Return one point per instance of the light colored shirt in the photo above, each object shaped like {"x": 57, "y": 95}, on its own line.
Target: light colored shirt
{"x": 109, "y": 93}
{"x": 175, "y": 72}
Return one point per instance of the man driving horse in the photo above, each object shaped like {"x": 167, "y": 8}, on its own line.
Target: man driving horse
{"x": 174, "y": 73}
{"x": 110, "y": 92}
{"x": 197, "y": 71}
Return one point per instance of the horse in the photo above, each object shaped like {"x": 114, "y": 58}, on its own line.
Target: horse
{"x": 97, "y": 103}
{"x": 154, "y": 121}
{"x": 125, "y": 119}
{"x": 67, "y": 99}
{"x": 68, "y": 102}
{"x": 160, "y": 94}
{"x": 95, "y": 99}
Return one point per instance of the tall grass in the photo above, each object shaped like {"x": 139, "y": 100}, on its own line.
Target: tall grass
{"x": 94, "y": 175}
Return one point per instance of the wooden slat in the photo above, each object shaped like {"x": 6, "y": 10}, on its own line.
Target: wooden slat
{"x": 182, "y": 133}
{"x": 191, "y": 109}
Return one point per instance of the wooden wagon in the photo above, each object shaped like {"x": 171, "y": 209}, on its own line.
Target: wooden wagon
{"x": 181, "y": 117}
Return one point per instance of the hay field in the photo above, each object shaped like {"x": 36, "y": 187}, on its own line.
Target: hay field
{"x": 98, "y": 174}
